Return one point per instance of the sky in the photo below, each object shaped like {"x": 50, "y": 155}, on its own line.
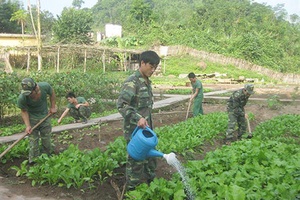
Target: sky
{"x": 56, "y": 6}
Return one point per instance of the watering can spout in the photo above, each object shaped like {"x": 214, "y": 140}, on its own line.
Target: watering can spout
{"x": 154, "y": 153}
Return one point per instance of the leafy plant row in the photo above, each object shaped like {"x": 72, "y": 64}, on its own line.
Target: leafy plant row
{"x": 188, "y": 135}
{"x": 261, "y": 168}
{"x": 73, "y": 167}
{"x": 249, "y": 169}
{"x": 49, "y": 169}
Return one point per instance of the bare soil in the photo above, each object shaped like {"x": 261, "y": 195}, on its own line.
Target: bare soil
{"x": 109, "y": 131}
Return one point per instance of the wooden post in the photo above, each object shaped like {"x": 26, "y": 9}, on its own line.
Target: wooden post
{"x": 164, "y": 66}
{"x": 57, "y": 67}
{"x": 103, "y": 61}
{"x": 39, "y": 37}
{"x": 124, "y": 61}
{"x": 84, "y": 64}
{"x": 28, "y": 60}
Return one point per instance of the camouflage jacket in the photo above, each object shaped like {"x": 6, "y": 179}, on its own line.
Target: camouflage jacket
{"x": 237, "y": 102}
{"x": 135, "y": 101}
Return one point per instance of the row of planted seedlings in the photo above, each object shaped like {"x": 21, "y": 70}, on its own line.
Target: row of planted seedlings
{"x": 264, "y": 167}
{"x": 73, "y": 167}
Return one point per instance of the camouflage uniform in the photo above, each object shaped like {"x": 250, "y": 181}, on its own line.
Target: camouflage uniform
{"x": 82, "y": 112}
{"x": 136, "y": 101}
{"x": 236, "y": 113}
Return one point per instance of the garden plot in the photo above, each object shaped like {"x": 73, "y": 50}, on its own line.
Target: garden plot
{"x": 100, "y": 136}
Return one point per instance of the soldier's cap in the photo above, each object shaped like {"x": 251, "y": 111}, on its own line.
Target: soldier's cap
{"x": 249, "y": 88}
{"x": 28, "y": 85}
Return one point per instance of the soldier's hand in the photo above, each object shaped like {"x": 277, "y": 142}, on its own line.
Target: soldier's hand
{"x": 28, "y": 130}
{"x": 142, "y": 123}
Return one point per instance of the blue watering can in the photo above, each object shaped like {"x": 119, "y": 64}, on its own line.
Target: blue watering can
{"x": 142, "y": 144}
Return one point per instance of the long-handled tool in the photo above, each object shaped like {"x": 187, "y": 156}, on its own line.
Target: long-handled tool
{"x": 35, "y": 126}
{"x": 249, "y": 128}
{"x": 188, "y": 110}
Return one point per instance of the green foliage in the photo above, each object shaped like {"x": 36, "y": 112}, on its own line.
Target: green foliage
{"x": 124, "y": 42}
{"x": 9, "y": 130}
{"x": 73, "y": 168}
{"x": 265, "y": 167}
{"x": 19, "y": 151}
{"x": 185, "y": 64}
{"x": 96, "y": 88}
{"x": 274, "y": 102}
{"x": 251, "y": 169}
{"x": 178, "y": 91}
{"x": 240, "y": 29}
{"x": 7, "y": 8}
{"x": 158, "y": 189}
{"x": 9, "y": 91}
{"x": 191, "y": 134}
{"x": 19, "y": 16}
{"x": 73, "y": 26}
{"x": 285, "y": 127}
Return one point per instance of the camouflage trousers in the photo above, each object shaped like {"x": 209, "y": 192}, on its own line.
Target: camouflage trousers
{"x": 83, "y": 112}
{"x": 197, "y": 106}
{"x": 138, "y": 172}
{"x": 233, "y": 120}
{"x": 40, "y": 135}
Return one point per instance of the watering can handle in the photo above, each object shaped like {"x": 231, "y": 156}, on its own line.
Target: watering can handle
{"x": 137, "y": 128}
{"x": 134, "y": 132}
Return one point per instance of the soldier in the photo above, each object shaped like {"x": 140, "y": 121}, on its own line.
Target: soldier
{"x": 197, "y": 95}
{"x": 33, "y": 104}
{"x": 135, "y": 105}
{"x": 236, "y": 112}
{"x": 78, "y": 107}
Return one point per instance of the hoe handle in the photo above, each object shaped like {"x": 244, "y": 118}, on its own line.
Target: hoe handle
{"x": 16, "y": 142}
{"x": 249, "y": 128}
{"x": 188, "y": 110}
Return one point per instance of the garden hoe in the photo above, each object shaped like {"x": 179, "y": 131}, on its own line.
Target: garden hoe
{"x": 249, "y": 128}
{"x": 35, "y": 126}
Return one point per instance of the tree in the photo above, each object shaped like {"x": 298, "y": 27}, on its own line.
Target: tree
{"x": 141, "y": 10}
{"x": 47, "y": 21}
{"x": 73, "y": 26}
{"x": 110, "y": 11}
{"x": 20, "y": 16}
{"x": 7, "y": 8}
{"x": 77, "y": 3}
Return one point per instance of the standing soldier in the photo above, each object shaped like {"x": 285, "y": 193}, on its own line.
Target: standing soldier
{"x": 197, "y": 95}
{"x": 33, "y": 104}
{"x": 236, "y": 112}
{"x": 135, "y": 104}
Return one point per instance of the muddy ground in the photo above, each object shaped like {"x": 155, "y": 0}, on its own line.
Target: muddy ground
{"x": 108, "y": 131}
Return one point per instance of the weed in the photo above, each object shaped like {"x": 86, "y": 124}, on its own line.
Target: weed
{"x": 274, "y": 102}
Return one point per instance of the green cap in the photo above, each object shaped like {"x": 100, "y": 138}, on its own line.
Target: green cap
{"x": 28, "y": 85}
{"x": 249, "y": 88}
